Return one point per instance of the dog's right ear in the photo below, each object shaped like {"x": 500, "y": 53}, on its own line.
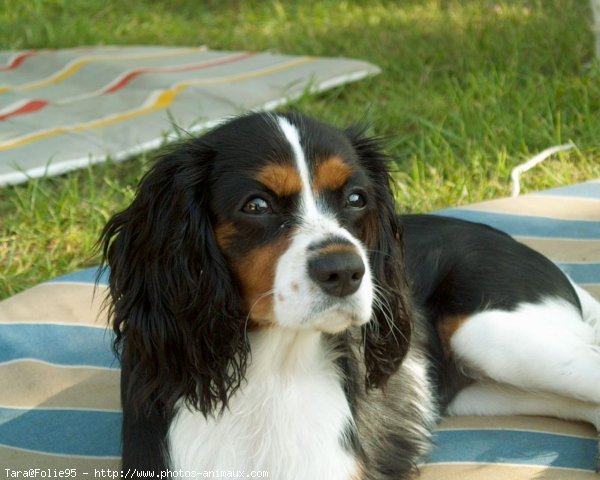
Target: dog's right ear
{"x": 175, "y": 312}
{"x": 386, "y": 338}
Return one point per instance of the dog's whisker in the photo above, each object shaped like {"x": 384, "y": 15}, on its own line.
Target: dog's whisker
{"x": 380, "y": 300}
{"x": 260, "y": 297}
{"x": 381, "y": 252}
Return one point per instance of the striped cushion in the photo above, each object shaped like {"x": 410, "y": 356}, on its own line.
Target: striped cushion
{"x": 59, "y": 405}
{"x": 59, "y": 401}
{"x": 62, "y": 109}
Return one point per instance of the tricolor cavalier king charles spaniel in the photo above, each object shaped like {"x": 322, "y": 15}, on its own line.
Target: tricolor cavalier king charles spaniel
{"x": 272, "y": 312}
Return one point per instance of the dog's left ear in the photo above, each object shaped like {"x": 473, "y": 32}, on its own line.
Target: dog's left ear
{"x": 387, "y": 336}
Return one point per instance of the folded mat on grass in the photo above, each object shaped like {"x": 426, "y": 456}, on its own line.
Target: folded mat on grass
{"x": 59, "y": 388}
{"x": 62, "y": 109}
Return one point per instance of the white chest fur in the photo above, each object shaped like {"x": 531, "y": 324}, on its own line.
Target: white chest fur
{"x": 286, "y": 419}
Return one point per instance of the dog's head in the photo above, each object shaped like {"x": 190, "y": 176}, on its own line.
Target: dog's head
{"x": 267, "y": 221}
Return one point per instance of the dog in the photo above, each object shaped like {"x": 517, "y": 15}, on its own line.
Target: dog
{"x": 273, "y": 312}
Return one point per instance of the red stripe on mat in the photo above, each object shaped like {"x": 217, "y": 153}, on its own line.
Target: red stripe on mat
{"x": 16, "y": 61}
{"x": 29, "y": 107}
{"x": 37, "y": 105}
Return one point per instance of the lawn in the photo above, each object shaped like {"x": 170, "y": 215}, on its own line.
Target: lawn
{"x": 469, "y": 89}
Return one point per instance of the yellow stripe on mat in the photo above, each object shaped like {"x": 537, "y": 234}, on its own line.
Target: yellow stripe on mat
{"x": 73, "y": 67}
{"x": 159, "y": 101}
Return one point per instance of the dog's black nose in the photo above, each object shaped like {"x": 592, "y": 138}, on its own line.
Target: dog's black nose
{"x": 337, "y": 273}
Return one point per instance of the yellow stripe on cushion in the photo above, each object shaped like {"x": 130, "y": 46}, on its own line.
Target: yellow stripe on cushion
{"x": 65, "y": 304}
{"x": 565, "y": 208}
{"x": 521, "y": 422}
{"x": 594, "y": 290}
{"x": 494, "y": 471}
{"x": 29, "y": 384}
{"x": 23, "y": 460}
{"x": 565, "y": 250}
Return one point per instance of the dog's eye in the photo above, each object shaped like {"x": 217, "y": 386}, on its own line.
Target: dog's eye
{"x": 356, "y": 200}
{"x": 257, "y": 206}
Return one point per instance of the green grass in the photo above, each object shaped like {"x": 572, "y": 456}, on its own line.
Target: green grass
{"x": 469, "y": 89}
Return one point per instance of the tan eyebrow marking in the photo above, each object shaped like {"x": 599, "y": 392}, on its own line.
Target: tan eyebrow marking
{"x": 283, "y": 180}
{"x": 331, "y": 174}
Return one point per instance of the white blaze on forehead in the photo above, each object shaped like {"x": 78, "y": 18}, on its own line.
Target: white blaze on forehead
{"x": 298, "y": 301}
{"x": 292, "y": 135}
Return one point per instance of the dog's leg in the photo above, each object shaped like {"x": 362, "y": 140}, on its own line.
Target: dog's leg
{"x": 544, "y": 347}
{"x": 489, "y": 398}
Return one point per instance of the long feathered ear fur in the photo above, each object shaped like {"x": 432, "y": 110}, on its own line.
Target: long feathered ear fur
{"x": 176, "y": 315}
{"x": 387, "y": 337}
